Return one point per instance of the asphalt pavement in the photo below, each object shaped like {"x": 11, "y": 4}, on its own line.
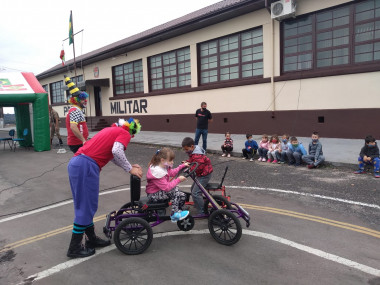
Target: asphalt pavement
{"x": 337, "y": 151}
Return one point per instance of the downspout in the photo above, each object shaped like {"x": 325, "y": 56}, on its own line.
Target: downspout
{"x": 272, "y": 75}
{"x": 273, "y": 63}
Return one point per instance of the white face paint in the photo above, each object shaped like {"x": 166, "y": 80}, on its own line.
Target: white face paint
{"x": 83, "y": 103}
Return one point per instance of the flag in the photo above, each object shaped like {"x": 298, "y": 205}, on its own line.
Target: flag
{"x": 62, "y": 56}
{"x": 71, "y": 38}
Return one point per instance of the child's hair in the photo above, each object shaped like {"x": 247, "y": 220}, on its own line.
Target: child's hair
{"x": 315, "y": 133}
{"x": 369, "y": 139}
{"x": 165, "y": 153}
{"x": 286, "y": 135}
{"x": 264, "y": 136}
{"x": 187, "y": 142}
{"x": 248, "y": 135}
{"x": 292, "y": 139}
{"x": 227, "y": 133}
{"x": 274, "y": 137}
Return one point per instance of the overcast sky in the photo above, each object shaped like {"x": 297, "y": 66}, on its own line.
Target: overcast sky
{"x": 32, "y": 31}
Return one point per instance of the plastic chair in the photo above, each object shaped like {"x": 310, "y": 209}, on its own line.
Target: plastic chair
{"x": 10, "y": 139}
{"x": 24, "y": 134}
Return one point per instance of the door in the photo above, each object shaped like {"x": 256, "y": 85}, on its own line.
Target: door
{"x": 98, "y": 101}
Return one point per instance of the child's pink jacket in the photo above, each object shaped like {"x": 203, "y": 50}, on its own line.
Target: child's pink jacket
{"x": 158, "y": 179}
{"x": 264, "y": 144}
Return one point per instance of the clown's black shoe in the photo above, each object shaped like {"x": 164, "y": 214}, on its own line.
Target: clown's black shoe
{"x": 76, "y": 249}
{"x": 93, "y": 240}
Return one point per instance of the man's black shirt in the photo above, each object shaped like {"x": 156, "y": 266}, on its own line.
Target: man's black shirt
{"x": 202, "y": 118}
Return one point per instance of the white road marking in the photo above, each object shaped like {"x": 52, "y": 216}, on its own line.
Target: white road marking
{"x": 187, "y": 186}
{"x": 307, "y": 194}
{"x": 343, "y": 261}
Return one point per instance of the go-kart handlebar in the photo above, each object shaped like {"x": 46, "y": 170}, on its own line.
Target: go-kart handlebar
{"x": 188, "y": 170}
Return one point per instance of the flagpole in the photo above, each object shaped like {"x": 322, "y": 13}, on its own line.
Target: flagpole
{"x": 72, "y": 28}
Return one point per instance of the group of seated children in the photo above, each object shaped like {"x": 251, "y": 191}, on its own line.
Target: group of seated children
{"x": 275, "y": 151}
{"x": 161, "y": 188}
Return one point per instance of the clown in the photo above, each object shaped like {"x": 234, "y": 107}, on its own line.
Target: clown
{"x": 77, "y": 131}
{"x": 107, "y": 145}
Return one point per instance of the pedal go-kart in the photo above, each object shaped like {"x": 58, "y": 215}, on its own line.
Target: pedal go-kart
{"x": 132, "y": 224}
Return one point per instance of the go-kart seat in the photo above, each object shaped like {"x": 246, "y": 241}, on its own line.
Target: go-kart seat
{"x": 144, "y": 205}
{"x": 213, "y": 186}
{"x": 143, "y": 202}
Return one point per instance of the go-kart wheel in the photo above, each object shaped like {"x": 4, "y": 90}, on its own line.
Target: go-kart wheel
{"x": 221, "y": 200}
{"x": 133, "y": 236}
{"x": 186, "y": 224}
{"x": 224, "y": 227}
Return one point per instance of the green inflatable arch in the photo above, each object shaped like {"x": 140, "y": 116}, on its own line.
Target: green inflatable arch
{"x": 18, "y": 90}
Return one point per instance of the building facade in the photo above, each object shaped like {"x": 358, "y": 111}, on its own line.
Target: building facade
{"x": 316, "y": 71}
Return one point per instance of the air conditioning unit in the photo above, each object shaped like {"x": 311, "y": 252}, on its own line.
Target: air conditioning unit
{"x": 283, "y": 9}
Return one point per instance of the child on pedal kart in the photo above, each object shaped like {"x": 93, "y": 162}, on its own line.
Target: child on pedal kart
{"x": 203, "y": 172}
{"x": 159, "y": 187}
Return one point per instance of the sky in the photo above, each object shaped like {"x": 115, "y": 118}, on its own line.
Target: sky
{"x": 32, "y": 32}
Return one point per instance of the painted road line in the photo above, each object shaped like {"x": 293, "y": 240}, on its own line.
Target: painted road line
{"x": 27, "y": 213}
{"x": 317, "y": 252}
{"x": 328, "y": 256}
{"x": 298, "y": 215}
{"x": 308, "y": 195}
{"x": 43, "y": 236}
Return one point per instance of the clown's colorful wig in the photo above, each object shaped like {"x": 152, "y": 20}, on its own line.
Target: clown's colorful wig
{"x": 132, "y": 126}
{"x": 75, "y": 93}
{"x": 74, "y": 100}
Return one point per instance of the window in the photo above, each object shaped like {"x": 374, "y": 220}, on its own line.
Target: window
{"x": 338, "y": 37}
{"x": 77, "y": 79}
{"x": 45, "y": 87}
{"x": 234, "y": 57}
{"x": 367, "y": 31}
{"x": 170, "y": 70}
{"x": 128, "y": 78}
{"x": 333, "y": 37}
{"x": 56, "y": 92}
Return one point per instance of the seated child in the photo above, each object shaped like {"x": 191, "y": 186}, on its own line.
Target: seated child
{"x": 315, "y": 156}
{"x": 250, "y": 148}
{"x": 263, "y": 148}
{"x": 159, "y": 187}
{"x": 203, "y": 172}
{"x": 369, "y": 154}
{"x": 284, "y": 147}
{"x": 274, "y": 149}
{"x": 295, "y": 152}
{"x": 228, "y": 145}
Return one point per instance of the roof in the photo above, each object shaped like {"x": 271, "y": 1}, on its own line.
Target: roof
{"x": 199, "y": 19}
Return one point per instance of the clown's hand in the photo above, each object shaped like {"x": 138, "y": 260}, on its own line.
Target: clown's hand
{"x": 136, "y": 170}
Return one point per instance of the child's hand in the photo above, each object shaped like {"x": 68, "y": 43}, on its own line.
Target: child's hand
{"x": 187, "y": 164}
{"x": 182, "y": 178}
{"x": 249, "y": 147}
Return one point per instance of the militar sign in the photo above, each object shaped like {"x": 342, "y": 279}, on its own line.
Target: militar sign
{"x": 129, "y": 106}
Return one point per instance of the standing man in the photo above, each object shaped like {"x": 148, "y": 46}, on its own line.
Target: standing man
{"x": 54, "y": 125}
{"x": 203, "y": 116}
{"x": 84, "y": 169}
{"x": 77, "y": 131}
